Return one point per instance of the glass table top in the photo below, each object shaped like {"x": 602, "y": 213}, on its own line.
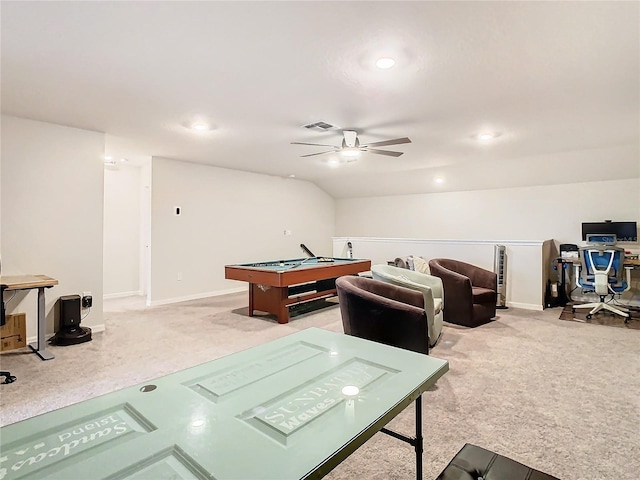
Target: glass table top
{"x": 287, "y": 409}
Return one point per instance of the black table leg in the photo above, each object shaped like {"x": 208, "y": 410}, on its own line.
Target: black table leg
{"x": 419, "y": 445}
{"x": 417, "y": 441}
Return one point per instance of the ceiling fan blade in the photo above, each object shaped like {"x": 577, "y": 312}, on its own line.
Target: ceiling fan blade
{"x": 395, "y": 141}
{"x": 314, "y": 144}
{"x": 383, "y": 152}
{"x": 319, "y": 153}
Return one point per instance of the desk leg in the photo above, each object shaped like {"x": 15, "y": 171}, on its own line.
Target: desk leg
{"x": 40, "y": 347}
{"x": 419, "y": 446}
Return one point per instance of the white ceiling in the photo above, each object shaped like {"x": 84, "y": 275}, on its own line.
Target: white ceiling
{"x": 559, "y": 80}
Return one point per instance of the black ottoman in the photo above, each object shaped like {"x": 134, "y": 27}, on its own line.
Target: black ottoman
{"x": 475, "y": 463}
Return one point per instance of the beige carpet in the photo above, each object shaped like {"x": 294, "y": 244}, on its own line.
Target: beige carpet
{"x": 562, "y": 397}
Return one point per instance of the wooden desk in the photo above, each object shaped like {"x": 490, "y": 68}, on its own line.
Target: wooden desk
{"x": 628, "y": 262}
{"x": 28, "y": 282}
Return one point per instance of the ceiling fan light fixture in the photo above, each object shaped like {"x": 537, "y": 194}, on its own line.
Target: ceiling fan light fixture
{"x": 350, "y": 153}
{"x": 351, "y": 148}
{"x": 385, "y": 63}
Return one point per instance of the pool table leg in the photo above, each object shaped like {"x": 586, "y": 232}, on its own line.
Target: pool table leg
{"x": 283, "y": 312}
{"x": 273, "y": 300}
{"x": 251, "y": 287}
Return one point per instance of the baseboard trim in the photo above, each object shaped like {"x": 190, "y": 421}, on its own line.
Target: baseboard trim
{"x": 525, "y": 306}
{"x": 197, "y": 296}
{"x": 427, "y": 241}
{"x": 122, "y": 294}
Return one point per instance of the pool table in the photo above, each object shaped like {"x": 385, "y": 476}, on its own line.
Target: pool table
{"x": 275, "y": 285}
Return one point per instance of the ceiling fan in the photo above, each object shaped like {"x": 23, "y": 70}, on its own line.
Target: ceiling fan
{"x": 351, "y": 146}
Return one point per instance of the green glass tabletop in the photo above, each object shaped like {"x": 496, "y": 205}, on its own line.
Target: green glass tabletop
{"x": 288, "y": 409}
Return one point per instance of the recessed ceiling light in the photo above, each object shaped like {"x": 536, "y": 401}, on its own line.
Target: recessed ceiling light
{"x": 438, "y": 180}
{"x": 200, "y": 126}
{"x": 292, "y": 176}
{"x": 385, "y": 63}
{"x": 108, "y": 160}
{"x": 486, "y": 136}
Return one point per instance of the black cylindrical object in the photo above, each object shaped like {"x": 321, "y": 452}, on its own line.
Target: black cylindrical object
{"x": 70, "y": 331}
{"x": 69, "y": 312}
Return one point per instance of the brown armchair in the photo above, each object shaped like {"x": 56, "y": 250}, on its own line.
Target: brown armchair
{"x": 383, "y": 313}
{"x": 470, "y": 292}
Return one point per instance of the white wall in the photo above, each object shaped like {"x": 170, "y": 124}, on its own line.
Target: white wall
{"x": 526, "y": 261}
{"x": 556, "y": 168}
{"x": 145, "y": 229}
{"x": 228, "y": 217}
{"x": 52, "y": 207}
{"x": 122, "y": 231}
{"x": 527, "y": 213}
{"x": 505, "y": 216}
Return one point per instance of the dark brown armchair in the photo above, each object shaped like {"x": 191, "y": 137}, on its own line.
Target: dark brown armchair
{"x": 470, "y": 292}
{"x": 383, "y": 313}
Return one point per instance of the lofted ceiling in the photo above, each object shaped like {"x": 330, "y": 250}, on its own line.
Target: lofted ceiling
{"x": 558, "y": 81}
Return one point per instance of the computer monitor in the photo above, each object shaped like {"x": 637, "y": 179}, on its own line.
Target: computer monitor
{"x": 624, "y": 231}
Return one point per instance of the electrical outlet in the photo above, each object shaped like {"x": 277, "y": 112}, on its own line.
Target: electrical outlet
{"x": 87, "y": 300}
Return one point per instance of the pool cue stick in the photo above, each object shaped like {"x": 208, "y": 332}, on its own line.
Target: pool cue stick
{"x": 306, "y": 250}
{"x": 297, "y": 265}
